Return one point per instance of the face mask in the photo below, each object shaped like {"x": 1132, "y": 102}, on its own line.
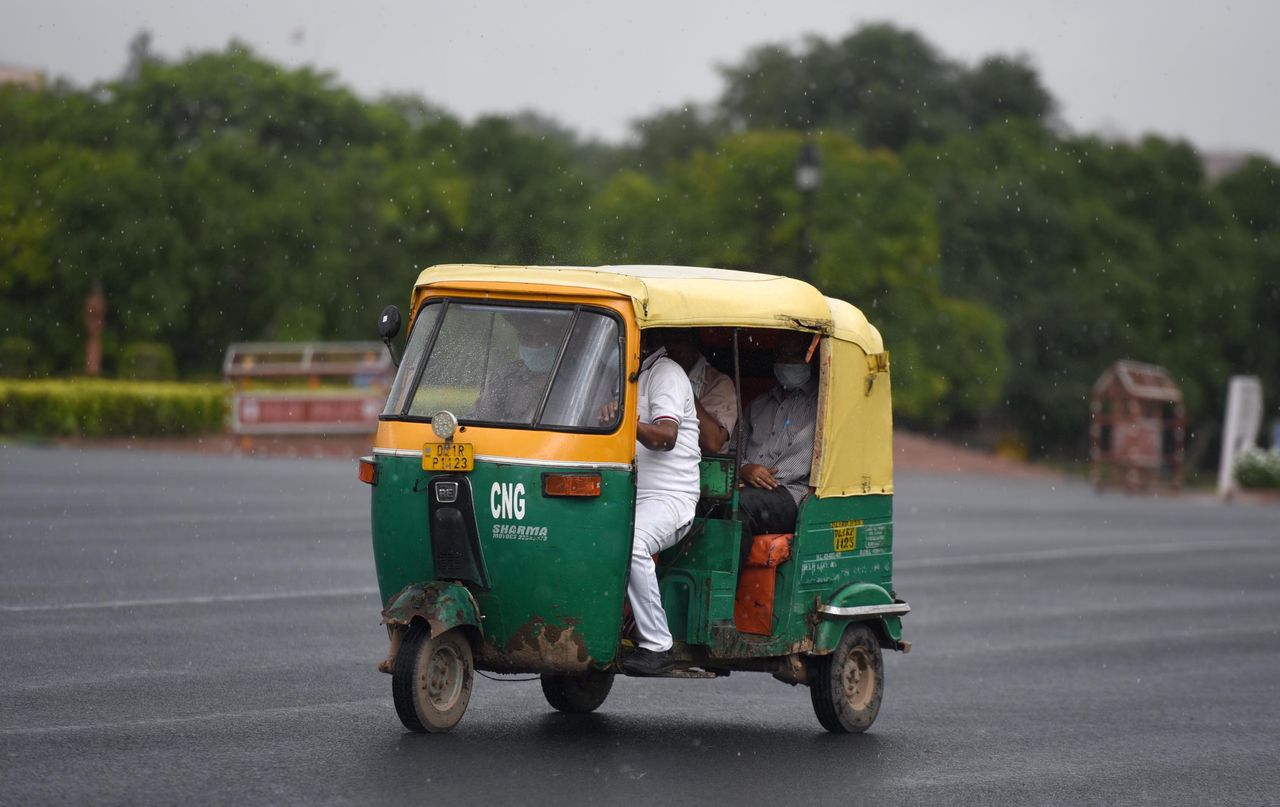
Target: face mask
{"x": 538, "y": 359}
{"x": 791, "y": 376}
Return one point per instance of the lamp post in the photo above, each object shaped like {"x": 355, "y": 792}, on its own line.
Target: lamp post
{"x": 95, "y": 316}
{"x": 808, "y": 180}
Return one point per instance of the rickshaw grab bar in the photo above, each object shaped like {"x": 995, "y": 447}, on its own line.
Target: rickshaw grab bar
{"x": 838, "y": 612}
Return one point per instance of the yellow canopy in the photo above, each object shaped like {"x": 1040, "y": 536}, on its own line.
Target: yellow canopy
{"x": 854, "y": 449}
{"x": 854, "y": 454}
{"x": 670, "y": 296}
{"x": 851, "y": 325}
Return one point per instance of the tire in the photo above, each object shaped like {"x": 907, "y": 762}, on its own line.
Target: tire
{"x": 577, "y": 694}
{"x": 847, "y": 685}
{"x": 431, "y": 679}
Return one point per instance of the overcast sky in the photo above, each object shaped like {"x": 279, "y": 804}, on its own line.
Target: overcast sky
{"x": 1203, "y": 71}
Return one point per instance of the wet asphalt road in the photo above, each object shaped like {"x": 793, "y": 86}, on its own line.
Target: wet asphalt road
{"x": 204, "y": 630}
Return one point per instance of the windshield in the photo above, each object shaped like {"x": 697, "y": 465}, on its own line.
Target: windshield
{"x": 519, "y": 366}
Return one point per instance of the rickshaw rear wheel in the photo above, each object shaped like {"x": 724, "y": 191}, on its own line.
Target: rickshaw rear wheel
{"x": 847, "y": 685}
{"x": 577, "y": 694}
{"x": 431, "y": 679}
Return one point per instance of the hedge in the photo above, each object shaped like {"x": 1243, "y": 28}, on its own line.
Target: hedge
{"x": 98, "y": 408}
{"x": 1258, "y": 469}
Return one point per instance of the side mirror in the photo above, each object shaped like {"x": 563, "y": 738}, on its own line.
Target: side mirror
{"x": 389, "y": 323}
{"x": 388, "y": 327}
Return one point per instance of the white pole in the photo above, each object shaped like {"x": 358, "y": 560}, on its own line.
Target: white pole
{"x": 1239, "y": 428}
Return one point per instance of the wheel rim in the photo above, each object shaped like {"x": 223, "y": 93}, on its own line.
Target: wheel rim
{"x": 441, "y": 680}
{"x": 858, "y": 679}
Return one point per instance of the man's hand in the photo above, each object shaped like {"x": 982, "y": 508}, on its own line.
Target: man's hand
{"x": 758, "y": 476}
{"x": 608, "y": 412}
{"x": 711, "y": 435}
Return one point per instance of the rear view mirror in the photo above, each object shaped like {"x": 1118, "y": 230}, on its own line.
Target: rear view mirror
{"x": 388, "y": 327}
{"x": 389, "y": 323}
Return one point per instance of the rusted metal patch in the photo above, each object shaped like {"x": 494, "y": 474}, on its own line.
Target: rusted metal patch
{"x": 443, "y": 605}
{"x": 539, "y": 646}
{"x": 730, "y": 645}
{"x": 395, "y": 633}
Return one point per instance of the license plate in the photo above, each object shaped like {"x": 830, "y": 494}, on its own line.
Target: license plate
{"x": 448, "y": 457}
{"x": 845, "y": 535}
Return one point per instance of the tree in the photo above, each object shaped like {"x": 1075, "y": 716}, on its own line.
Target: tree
{"x": 526, "y": 196}
{"x": 884, "y": 86}
{"x": 1251, "y": 196}
{"x": 1090, "y": 252}
{"x": 675, "y": 134}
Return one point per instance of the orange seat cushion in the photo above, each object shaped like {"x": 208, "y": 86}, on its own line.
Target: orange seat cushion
{"x": 753, "y": 605}
{"x": 770, "y": 549}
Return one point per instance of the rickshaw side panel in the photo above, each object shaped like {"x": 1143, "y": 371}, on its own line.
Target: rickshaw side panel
{"x": 557, "y": 570}
{"x": 838, "y": 541}
{"x": 698, "y": 579}
{"x": 843, "y": 540}
{"x": 401, "y": 546}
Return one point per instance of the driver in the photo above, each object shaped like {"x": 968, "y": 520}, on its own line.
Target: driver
{"x": 512, "y": 393}
{"x": 667, "y": 480}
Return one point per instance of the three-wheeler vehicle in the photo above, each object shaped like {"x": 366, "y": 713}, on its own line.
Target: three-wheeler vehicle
{"x": 503, "y": 489}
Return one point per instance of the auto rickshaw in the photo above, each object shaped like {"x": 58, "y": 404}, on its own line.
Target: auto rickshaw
{"x": 502, "y": 506}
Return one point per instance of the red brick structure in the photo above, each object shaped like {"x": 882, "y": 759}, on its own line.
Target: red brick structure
{"x": 1137, "y": 429}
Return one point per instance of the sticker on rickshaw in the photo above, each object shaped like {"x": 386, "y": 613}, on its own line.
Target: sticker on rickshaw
{"x": 845, "y": 535}
{"x": 877, "y": 539}
{"x": 448, "y": 457}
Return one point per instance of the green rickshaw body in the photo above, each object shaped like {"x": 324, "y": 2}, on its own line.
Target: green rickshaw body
{"x": 556, "y": 575}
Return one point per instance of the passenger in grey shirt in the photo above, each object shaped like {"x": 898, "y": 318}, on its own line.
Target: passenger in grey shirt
{"x": 778, "y": 431}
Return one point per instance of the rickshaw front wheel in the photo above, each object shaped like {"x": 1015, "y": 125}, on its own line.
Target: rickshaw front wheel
{"x": 847, "y": 685}
{"x": 431, "y": 680}
{"x": 577, "y": 694}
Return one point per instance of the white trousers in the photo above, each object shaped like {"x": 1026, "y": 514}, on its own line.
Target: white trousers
{"x": 662, "y": 519}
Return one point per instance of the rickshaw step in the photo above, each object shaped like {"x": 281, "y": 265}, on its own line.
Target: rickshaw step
{"x": 692, "y": 674}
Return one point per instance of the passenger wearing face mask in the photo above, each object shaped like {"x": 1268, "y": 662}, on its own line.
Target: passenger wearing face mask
{"x": 778, "y": 433}
{"x": 512, "y": 393}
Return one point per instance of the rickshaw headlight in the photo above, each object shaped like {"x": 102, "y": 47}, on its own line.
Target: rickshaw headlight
{"x": 444, "y": 423}
{"x": 571, "y": 484}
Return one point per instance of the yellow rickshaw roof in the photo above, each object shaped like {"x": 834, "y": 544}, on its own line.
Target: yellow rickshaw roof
{"x": 687, "y": 296}
{"x": 851, "y": 325}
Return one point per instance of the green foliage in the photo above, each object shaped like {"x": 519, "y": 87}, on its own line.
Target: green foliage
{"x": 1258, "y": 469}
{"x": 885, "y": 86}
{"x": 221, "y": 197}
{"x": 1251, "y": 195}
{"x": 146, "y": 361}
{"x": 17, "y": 357}
{"x": 676, "y": 134}
{"x": 96, "y": 408}
{"x": 1090, "y": 252}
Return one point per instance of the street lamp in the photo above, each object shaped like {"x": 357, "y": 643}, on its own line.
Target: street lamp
{"x": 808, "y": 180}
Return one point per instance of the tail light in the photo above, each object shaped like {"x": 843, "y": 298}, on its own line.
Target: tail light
{"x": 368, "y": 471}
{"x": 571, "y": 484}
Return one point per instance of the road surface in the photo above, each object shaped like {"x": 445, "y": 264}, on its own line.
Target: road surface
{"x": 204, "y": 629}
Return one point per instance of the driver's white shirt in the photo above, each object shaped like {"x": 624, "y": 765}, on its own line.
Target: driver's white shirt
{"x": 666, "y": 394}
{"x": 666, "y": 491}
